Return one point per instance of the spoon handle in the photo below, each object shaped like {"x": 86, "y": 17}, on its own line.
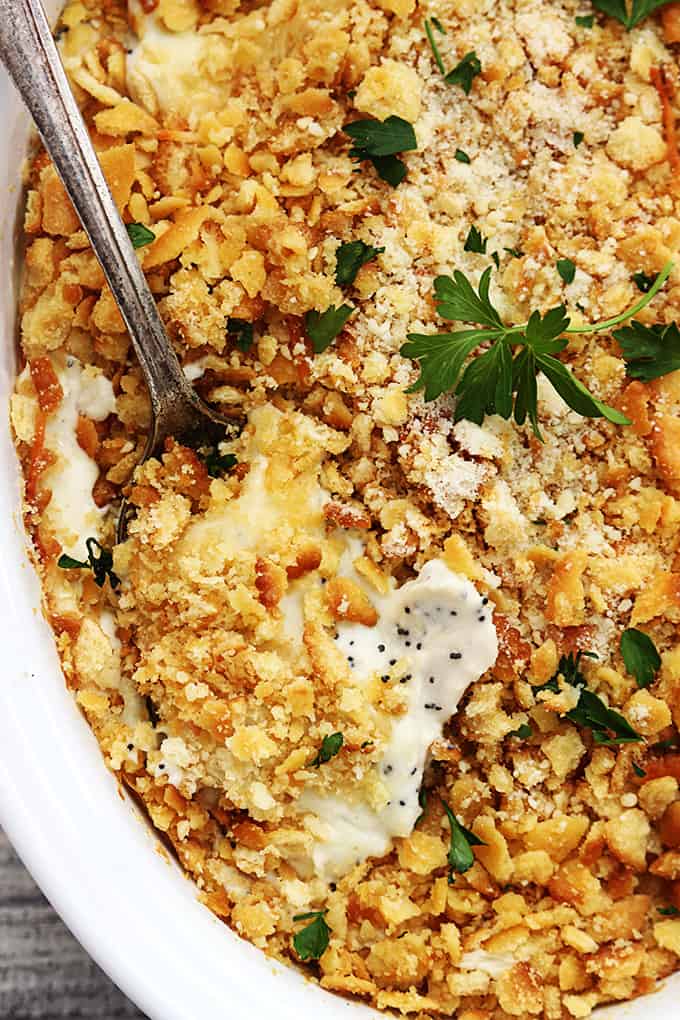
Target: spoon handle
{"x": 30, "y": 55}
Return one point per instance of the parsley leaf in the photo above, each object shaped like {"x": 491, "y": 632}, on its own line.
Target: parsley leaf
{"x": 639, "y": 772}
{"x": 515, "y": 253}
{"x": 422, "y": 803}
{"x": 522, "y": 732}
{"x": 578, "y": 137}
{"x": 649, "y": 351}
{"x": 465, "y": 71}
{"x": 460, "y": 856}
{"x": 350, "y": 257}
{"x": 323, "y": 327}
{"x": 329, "y": 748}
{"x": 592, "y": 712}
{"x": 461, "y": 156}
{"x": 242, "y": 331}
{"x": 378, "y": 141}
{"x": 218, "y": 463}
{"x": 99, "y": 561}
{"x": 640, "y": 656}
{"x": 608, "y": 727}
{"x": 456, "y": 299}
{"x": 504, "y": 381}
{"x": 475, "y": 242}
{"x": 312, "y": 941}
{"x": 643, "y": 281}
{"x": 585, "y": 20}
{"x": 669, "y": 911}
{"x": 566, "y": 269}
{"x": 629, "y": 18}
{"x": 140, "y": 235}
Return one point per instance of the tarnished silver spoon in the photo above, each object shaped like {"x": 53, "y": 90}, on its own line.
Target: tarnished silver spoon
{"x": 30, "y": 55}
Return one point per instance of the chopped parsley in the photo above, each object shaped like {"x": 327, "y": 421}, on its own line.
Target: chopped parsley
{"x": 475, "y": 242}
{"x": 329, "y": 748}
{"x": 429, "y": 22}
{"x": 220, "y": 463}
{"x": 522, "y": 732}
{"x": 669, "y": 744}
{"x": 311, "y": 942}
{"x": 460, "y": 856}
{"x": 669, "y": 911}
{"x": 578, "y": 137}
{"x": 585, "y": 20}
{"x": 242, "y": 332}
{"x": 639, "y": 772}
{"x": 516, "y": 253}
{"x": 461, "y": 156}
{"x": 643, "y": 281}
{"x": 649, "y": 351}
{"x": 350, "y": 257}
{"x": 629, "y": 15}
{"x": 438, "y": 25}
{"x": 99, "y": 561}
{"x": 140, "y": 235}
{"x": 640, "y": 656}
{"x": 566, "y": 269}
{"x": 608, "y": 727}
{"x": 378, "y": 141}
{"x": 323, "y": 327}
{"x": 465, "y": 72}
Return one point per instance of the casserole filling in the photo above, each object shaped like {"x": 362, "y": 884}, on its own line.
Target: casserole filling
{"x": 395, "y": 666}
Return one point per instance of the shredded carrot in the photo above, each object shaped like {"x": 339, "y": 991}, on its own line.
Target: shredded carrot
{"x": 664, "y": 86}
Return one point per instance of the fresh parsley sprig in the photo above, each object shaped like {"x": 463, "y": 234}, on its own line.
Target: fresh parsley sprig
{"x": 640, "y": 656}
{"x": 350, "y": 257}
{"x": 502, "y": 378}
{"x": 379, "y": 141}
{"x": 607, "y": 726}
{"x": 330, "y": 746}
{"x": 629, "y": 14}
{"x": 99, "y": 561}
{"x": 460, "y": 856}
{"x": 312, "y": 941}
{"x": 323, "y": 327}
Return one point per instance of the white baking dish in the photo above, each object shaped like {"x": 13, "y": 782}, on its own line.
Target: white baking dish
{"x": 83, "y": 840}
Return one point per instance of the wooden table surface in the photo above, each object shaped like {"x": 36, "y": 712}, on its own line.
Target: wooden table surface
{"x": 44, "y": 972}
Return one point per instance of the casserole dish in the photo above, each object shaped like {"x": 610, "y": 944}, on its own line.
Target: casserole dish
{"x": 86, "y": 846}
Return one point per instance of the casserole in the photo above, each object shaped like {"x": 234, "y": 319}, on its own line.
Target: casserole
{"x": 87, "y": 848}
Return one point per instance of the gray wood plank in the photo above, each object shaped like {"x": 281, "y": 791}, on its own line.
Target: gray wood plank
{"x": 44, "y": 973}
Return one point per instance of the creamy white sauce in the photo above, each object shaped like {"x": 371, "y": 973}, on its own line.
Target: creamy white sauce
{"x": 164, "y": 69}
{"x": 434, "y": 637}
{"x": 71, "y": 513}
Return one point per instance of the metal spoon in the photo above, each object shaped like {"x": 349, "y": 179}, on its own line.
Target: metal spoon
{"x": 30, "y": 55}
